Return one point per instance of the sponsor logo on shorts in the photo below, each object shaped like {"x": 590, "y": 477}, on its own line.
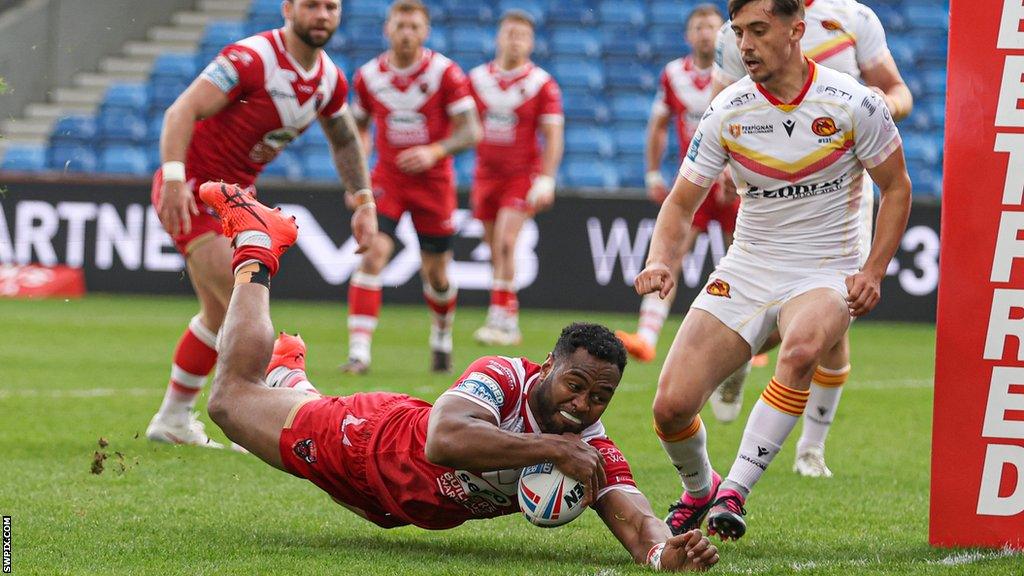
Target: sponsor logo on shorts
{"x": 824, "y": 126}
{"x": 719, "y": 288}
{"x": 306, "y": 450}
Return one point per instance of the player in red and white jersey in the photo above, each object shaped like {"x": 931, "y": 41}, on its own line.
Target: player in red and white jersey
{"x": 424, "y": 114}
{"x": 257, "y": 96}
{"x": 846, "y": 36}
{"x": 797, "y": 137}
{"x": 396, "y": 460}
{"x": 515, "y": 176}
{"x": 684, "y": 92}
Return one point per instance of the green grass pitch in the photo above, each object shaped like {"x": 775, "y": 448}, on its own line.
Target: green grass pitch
{"x": 72, "y": 372}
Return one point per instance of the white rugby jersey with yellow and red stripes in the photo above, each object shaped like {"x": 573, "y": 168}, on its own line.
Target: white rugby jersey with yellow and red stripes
{"x": 798, "y": 166}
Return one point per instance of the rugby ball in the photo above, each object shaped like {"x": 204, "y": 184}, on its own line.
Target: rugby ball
{"x": 549, "y": 498}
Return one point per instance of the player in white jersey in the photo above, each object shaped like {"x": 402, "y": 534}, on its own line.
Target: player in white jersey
{"x": 797, "y": 137}
{"x": 848, "y": 37}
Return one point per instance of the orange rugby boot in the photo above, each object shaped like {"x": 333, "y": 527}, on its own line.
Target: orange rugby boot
{"x": 289, "y": 352}
{"x": 636, "y": 346}
{"x": 240, "y": 212}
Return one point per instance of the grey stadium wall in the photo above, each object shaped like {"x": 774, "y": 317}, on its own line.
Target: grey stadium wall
{"x": 581, "y": 255}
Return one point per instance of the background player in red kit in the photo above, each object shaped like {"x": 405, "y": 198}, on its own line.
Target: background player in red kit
{"x": 514, "y": 179}
{"x": 397, "y": 460}
{"x": 424, "y": 113}
{"x": 683, "y": 95}
{"x": 251, "y": 101}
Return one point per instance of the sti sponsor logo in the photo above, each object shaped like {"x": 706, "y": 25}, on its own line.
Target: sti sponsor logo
{"x": 742, "y": 99}
{"x": 835, "y": 92}
{"x": 798, "y": 190}
{"x": 1002, "y": 490}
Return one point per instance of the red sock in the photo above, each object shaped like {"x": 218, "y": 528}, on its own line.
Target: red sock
{"x": 258, "y": 253}
{"x": 440, "y": 303}
{"x": 194, "y": 358}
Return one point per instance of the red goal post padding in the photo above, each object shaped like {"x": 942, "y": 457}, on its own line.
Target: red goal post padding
{"x": 977, "y": 485}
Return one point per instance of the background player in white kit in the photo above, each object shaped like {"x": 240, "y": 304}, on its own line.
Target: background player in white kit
{"x": 257, "y": 96}
{"x": 797, "y": 137}
{"x": 845, "y": 36}
{"x": 514, "y": 178}
{"x": 684, "y": 93}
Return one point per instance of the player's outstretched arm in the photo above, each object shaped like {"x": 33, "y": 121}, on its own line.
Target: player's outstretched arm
{"x": 893, "y": 211}
{"x": 674, "y": 220}
{"x": 350, "y": 160}
{"x": 647, "y": 539}
{"x": 200, "y": 100}
{"x": 464, "y": 435}
{"x": 654, "y": 150}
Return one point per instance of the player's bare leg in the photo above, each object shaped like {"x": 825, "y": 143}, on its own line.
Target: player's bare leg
{"x": 502, "y": 326}
{"x": 703, "y": 353}
{"x": 810, "y": 324}
{"x": 826, "y": 389}
{"x": 250, "y": 413}
{"x": 643, "y": 343}
{"x": 209, "y": 270}
{"x": 364, "y": 301}
{"x": 440, "y": 295}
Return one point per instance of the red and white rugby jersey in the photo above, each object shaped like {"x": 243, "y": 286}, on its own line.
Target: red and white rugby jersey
{"x": 684, "y": 92}
{"x": 798, "y": 166}
{"x": 841, "y": 34}
{"x": 273, "y": 99}
{"x": 411, "y": 107}
{"x": 512, "y": 106}
{"x": 437, "y": 497}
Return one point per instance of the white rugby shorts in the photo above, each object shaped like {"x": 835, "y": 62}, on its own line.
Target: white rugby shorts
{"x": 746, "y": 293}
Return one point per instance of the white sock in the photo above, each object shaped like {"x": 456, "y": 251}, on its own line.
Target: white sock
{"x": 360, "y": 337}
{"x": 826, "y": 389}
{"x": 689, "y": 455}
{"x": 774, "y": 415}
{"x": 653, "y": 312}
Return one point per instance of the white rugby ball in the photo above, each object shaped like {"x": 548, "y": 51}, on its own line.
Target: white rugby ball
{"x": 549, "y": 498}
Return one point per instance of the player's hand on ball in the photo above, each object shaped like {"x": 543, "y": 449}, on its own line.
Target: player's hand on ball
{"x": 581, "y": 461}
{"x": 418, "y": 159}
{"x": 691, "y": 551}
{"x": 542, "y": 193}
{"x": 655, "y": 277}
{"x": 176, "y": 207}
{"x": 865, "y": 290}
{"x": 364, "y": 228}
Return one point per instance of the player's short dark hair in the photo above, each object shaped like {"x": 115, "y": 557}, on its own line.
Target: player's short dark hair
{"x": 783, "y": 8}
{"x": 706, "y": 9}
{"x": 406, "y": 6}
{"x": 517, "y": 15}
{"x": 597, "y": 340}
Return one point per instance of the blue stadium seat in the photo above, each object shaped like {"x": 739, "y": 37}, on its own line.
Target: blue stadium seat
{"x": 220, "y": 33}
{"x": 891, "y": 18}
{"x": 468, "y": 12}
{"x": 578, "y": 74}
{"x": 74, "y": 130}
{"x": 438, "y": 40}
{"x": 126, "y": 98}
{"x": 178, "y": 66}
{"x": 257, "y": 24}
{"x": 372, "y": 10}
{"x": 670, "y": 12}
{"x": 588, "y": 141}
{"x": 465, "y": 164}
{"x": 922, "y": 149}
{"x": 319, "y": 166}
{"x": 361, "y": 57}
{"x": 624, "y": 43}
{"x": 24, "y": 158}
{"x": 471, "y": 39}
{"x": 313, "y": 139}
{"x": 367, "y": 39}
{"x": 578, "y": 43}
{"x": 154, "y": 126}
{"x": 532, "y": 7}
{"x": 667, "y": 43}
{"x": 264, "y": 8}
{"x": 631, "y": 171}
{"x": 584, "y": 107}
{"x": 626, "y": 76}
{"x": 591, "y": 174}
{"x": 286, "y": 165}
{"x": 72, "y": 158}
{"x": 572, "y": 14}
{"x": 629, "y": 139}
{"x": 623, "y": 12}
{"x": 631, "y": 108}
{"x": 122, "y": 159}
{"x": 934, "y": 81}
{"x": 116, "y": 128}
{"x": 926, "y": 17}
{"x": 904, "y": 52}
{"x": 164, "y": 91}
